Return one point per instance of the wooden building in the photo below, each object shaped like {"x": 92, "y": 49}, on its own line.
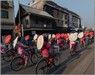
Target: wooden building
{"x": 7, "y": 18}
{"x": 34, "y": 20}
{"x": 43, "y": 16}
{"x": 64, "y": 18}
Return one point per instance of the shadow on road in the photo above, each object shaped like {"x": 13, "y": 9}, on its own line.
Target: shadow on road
{"x": 67, "y": 61}
{"x": 7, "y": 68}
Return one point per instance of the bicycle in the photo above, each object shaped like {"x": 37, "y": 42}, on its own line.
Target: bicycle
{"x": 46, "y": 63}
{"x": 9, "y": 54}
{"x": 74, "y": 48}
{"x": 18, "y": 62}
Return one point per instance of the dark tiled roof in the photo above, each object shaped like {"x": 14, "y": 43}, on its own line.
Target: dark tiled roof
{"x": 5, "y": 3}
{"x": 59, "y": 7}
{"x": 36, "y": 11}
{"x": 52, "y": 3}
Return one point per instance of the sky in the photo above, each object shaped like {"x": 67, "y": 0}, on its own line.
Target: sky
{"x": 84, "y": 8}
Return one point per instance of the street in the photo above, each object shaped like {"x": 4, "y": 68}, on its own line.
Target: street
{"x": 30, "y": 28}
{"x": 81, "y": 63}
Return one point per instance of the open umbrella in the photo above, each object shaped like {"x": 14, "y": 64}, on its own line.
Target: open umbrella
{"x": 57, "y": 36}
{"x": 7, "y": 39}
{"x": 27, "y": 37}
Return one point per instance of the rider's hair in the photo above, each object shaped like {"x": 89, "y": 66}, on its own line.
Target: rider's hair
{"x": 19, "y": 39}
{"x": 45, "y": 39}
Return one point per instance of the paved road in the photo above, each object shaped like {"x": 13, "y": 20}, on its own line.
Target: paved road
{"x": 66, "y": 59}
{"x": 90, "y": 69}
{"x": 83, "y": 65}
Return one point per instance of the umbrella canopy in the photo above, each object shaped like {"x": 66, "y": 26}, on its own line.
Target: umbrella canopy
{"x": 80, "y": 35}
{"x": 7, "y": 39}
{"x": 91, "y": 33}
{"x": 57, "y": 36}
{"x": 27, "y": 37}
{"x": 40, "y": 42}
{"x": 72, "y": 37}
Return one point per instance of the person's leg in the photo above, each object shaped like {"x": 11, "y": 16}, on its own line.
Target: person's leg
{"x": 57, "y": 47}
{"x": 26, "y": 60}
{"x": 26, "y": 57}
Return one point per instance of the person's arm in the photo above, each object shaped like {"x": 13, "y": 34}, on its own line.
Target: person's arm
{"x": 22, "y": 44}
{"x": 49, "y": 46}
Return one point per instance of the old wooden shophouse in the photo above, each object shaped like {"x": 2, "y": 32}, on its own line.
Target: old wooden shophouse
{"x": 65, "y": 19}
{"x": 7, "y": 18}
{"x": 34, "y": 20}
{"x": 43, "y": 16}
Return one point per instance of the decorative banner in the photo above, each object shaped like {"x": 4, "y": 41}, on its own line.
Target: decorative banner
{"x": 15, "y": 42}
{"x": 80, "y": 35}
{"x": 7, "y": 39}
{"x": 27, "y": 37}
{"x": 40, "y": 42}
{"x": 72, "y": 37}
{"x": 18, "y": 27}
{"x": 15, "y": 29}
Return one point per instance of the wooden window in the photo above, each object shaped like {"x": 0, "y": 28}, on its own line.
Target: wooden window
{"x": 26, "y": 22}
{"x": 36, "y": 21}
{"x": 57, "y": 13}
{"x": 4, "y": 14}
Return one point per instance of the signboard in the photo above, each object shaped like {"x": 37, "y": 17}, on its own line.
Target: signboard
{"x": 70, "y": 19}
{"x": 33, "y": 32}
{"x": 45, "y": 25}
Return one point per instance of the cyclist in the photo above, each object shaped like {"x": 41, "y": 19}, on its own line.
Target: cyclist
{"x": 47, "y": 50}
{"x": 91, "y": 33}
{"x": 22, "y": 50}
{"x": 83, "y": 41}
{"x": 73, "y": 45}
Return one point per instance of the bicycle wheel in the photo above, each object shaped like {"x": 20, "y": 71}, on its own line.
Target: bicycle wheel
{"x": 8, "y": 55}
{"x": 56, "y": 60}
{"x": 2, "y": 54}
{"x": 38, "y": 54}
{"x": 34, "y": 58}
{"x": 17, "y": 63}
{"x": 41, "y": 67}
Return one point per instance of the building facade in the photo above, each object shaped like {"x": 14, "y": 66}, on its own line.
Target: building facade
{"x": 34, "y": 20}
{"x": 64, "y": 18}
{"x": 43, "y": 16}
{"x": 7, "y": 18}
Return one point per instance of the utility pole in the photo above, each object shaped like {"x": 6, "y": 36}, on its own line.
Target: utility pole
{"x": 14, "y": 20}
{"x": 21, "y": 26}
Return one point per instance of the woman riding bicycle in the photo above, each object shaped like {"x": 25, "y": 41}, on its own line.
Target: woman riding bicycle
{"x": 83, "y": 41}
{"x": 47, "y": 49}
{"x": 22, "y": 50}
{"x": 73, "y": 44}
